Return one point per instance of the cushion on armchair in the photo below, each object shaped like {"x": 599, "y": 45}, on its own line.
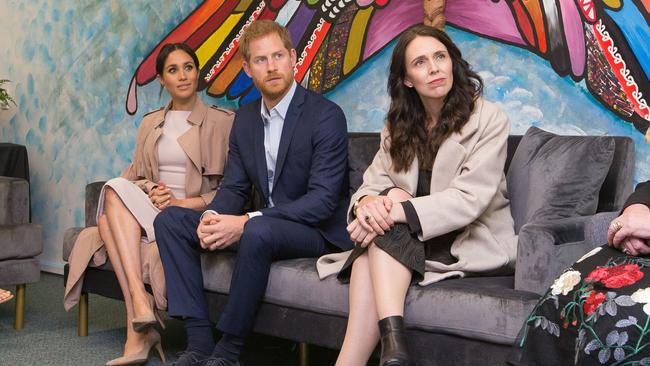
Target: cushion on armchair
{"x": 362, "y": 147}
{"x": 553, "y": 177}
{"x": 14, "y": 201}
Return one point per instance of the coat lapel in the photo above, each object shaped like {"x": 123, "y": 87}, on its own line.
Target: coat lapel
{"x": 260, "y": 155}
{"x": 452, "y": 152}
{"x": 290, "y": 122}
{"x": 445, "y": 167}
{"x": 408, "y": 180}
{"x": 189, "y": 141}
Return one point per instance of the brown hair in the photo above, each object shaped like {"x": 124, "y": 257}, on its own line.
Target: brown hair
{"x": 407, "y": 118}
{"x": 261, "y": 28}
{"x": 169, "y": 48}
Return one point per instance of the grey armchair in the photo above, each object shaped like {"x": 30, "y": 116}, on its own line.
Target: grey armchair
{"x": 20, "y": 242}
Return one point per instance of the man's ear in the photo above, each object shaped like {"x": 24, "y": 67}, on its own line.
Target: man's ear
{"x": 294, "y": 57}
{"x": 247, "y": 70}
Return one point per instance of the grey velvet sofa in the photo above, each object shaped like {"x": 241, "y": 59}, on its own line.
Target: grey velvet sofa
{"x": 20, "y": 242}
{"x": 470, "y": 321}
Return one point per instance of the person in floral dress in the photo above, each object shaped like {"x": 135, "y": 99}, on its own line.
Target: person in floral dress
{"x": 598, "y": 311}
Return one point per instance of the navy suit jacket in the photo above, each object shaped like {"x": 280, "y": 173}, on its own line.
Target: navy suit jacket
{"x": 311, "y": 179}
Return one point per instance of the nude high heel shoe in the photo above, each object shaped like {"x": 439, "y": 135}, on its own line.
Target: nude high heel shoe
{"x": 140, "y": 357}
{"x": 143, "y": 322}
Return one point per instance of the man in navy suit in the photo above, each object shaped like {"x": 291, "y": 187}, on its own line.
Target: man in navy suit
{"x": 291, "y": 147}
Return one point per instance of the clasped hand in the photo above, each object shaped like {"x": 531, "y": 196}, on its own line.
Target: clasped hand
{"x": 220, "y": 231}
{"x": 630, "y": 232}
{"x": 373, "y": 218}
{"x": 161, "y": 196}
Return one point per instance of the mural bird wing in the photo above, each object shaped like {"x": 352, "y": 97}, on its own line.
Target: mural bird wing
{"x": 603, "y": 42}
{"x": 332, "y": 39}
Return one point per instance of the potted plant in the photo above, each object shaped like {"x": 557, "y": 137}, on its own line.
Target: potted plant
{"x": 5, "y": 98}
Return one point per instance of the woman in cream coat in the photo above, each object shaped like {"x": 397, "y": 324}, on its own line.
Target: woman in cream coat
{"x": 179, "y": 161}
{"x": 433, "y": 201}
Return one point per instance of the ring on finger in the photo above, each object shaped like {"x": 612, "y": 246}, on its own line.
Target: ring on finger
{"x": 616, "y": 226}
{"x": 626, "y": 251}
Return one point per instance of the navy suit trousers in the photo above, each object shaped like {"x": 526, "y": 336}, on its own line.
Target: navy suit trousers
{"x": 265, "y": 239}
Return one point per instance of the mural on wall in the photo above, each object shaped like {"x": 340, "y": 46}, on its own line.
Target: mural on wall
{"x": 601, "y": 41}
{"x": 604, "y": 42}
{"x": 332, "y": 39}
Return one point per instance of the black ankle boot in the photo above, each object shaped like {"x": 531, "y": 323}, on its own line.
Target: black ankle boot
{"x": 393, "y": 342}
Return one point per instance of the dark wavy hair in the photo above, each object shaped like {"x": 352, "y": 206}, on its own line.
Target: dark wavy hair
{"x": 169, "y": 48}
{"x": 407, "y": 117}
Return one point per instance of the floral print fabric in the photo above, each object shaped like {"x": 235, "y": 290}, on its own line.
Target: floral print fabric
{"x": 596, "y": 313}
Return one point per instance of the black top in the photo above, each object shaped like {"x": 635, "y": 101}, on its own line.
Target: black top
{"x": 424, "y": 189}
{"x": 641, "y": 195}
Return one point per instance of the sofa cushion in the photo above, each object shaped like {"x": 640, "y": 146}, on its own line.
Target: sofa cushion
{"x": 19, "y": 271}
{"x": 553, "y": 177}
{"x": 20, "y": 241}
{"x": 217, "y": 269}
{"x": 362, "y": 148}
{"x": 92, "y": 201}
{"x": 497, "y": 310}
{"x": 14, "y": 201}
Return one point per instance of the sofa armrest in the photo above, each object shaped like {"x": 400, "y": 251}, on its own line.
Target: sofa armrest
{"x": 547, "y": 248}
{"x": 92, "y": 199}
{"x": 596, "y": 227}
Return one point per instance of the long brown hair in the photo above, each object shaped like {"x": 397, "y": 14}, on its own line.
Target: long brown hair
{"x": 407, "y": 118}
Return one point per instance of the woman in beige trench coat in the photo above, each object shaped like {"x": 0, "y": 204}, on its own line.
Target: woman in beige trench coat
{"x": 179, "y": 160}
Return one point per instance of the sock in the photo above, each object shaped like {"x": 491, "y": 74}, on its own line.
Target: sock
{"x": 199, "y": 335}
{"x": 229, "y": 347}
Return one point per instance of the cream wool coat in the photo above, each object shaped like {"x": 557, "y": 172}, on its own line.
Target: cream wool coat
{"x": 468, "y": 190}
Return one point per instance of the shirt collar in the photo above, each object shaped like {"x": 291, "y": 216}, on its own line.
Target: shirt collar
{"x": 281, "y": 107}
{"x": 197, "y": 115}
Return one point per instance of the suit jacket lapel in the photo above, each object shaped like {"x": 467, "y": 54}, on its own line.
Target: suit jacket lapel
{"x": 290, "y": 122}
{"x": 260, "y": 155}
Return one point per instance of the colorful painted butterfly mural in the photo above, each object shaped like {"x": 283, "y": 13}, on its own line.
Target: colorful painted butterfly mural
{"x": 606, "y": 43}
{"x": 603, "y": 42}
{"x": 332, "y": 39}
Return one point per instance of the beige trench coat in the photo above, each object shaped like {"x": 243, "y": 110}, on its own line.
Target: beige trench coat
{"x": 468, "y": 190}
{"x": 206, "y": 146}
